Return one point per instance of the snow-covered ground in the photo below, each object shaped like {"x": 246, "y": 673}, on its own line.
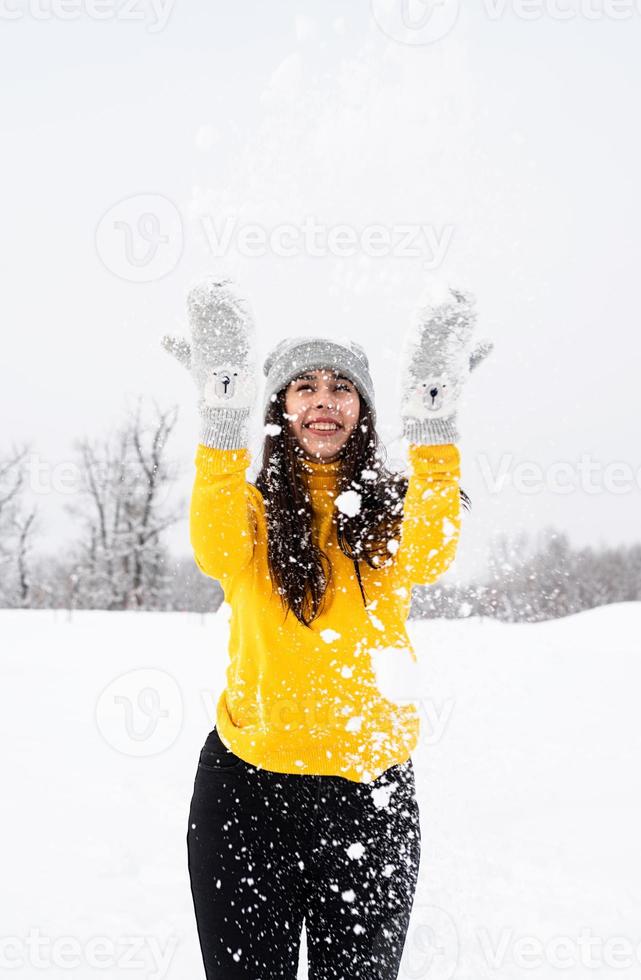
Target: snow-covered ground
{"x": 528, "y": 778}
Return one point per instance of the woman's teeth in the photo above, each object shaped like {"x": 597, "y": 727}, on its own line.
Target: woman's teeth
{"x": 322, "y": 427}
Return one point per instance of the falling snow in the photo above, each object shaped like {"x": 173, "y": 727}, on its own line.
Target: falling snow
{"x": 349, "y": 503}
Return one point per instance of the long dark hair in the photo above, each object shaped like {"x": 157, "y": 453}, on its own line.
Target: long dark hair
{"x": 300, "y": 570}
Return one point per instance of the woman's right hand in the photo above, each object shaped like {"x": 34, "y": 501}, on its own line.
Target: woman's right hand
{"x": 221, "y": 359}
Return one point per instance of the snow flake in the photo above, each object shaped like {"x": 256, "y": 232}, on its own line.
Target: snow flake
{"x": 355, "y": 850}
{"x": 449, "y": 528}
{"x": 381, "y": 795}
{"x": 349, "y": 503}
{"x": 387, "y": 870}
{"x": 354, "y": 723}
{"x": 346, "y": 671}
{"x": 329, "y": 635}
{"x": 358, "y": 928}
{"x": 349, "y": 895}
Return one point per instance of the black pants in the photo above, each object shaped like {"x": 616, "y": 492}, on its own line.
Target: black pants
{"x": 267, "y": 850}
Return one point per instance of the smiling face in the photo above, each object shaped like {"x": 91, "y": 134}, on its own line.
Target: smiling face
{"x": 329, "y": 399}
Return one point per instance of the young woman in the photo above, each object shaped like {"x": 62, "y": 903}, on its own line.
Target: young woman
{"x": 304, "y": 805}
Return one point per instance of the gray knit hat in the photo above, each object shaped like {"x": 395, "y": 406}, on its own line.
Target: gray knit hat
{"x": 294, "y": 355}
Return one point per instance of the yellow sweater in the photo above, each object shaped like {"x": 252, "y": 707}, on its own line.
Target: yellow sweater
{"x": 301, "y": 700}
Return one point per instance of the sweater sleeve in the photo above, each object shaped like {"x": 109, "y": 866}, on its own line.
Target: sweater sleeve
{"x": 431, "y": 522}
{"x": 222, "y": 518}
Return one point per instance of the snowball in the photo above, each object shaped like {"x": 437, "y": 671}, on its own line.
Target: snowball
{"x": 397, "y": 672}
{"x": 349, "y": 503}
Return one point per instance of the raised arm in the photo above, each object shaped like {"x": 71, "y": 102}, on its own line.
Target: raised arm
{"x": 431, "y": 524}
{"x": 222, "y": 514}
{"x": 436, "y": 360}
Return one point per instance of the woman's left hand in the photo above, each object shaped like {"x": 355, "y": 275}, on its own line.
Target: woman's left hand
{"x": 436, "y": 360}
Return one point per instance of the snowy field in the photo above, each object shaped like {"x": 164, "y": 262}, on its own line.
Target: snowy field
{"x": 528, "y": 775}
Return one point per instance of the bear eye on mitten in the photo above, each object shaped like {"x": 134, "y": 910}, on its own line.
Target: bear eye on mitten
{"x": 436, "y": 360}
{"x": 221, "y": 360}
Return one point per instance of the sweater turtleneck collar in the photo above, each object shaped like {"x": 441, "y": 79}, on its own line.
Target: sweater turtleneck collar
{"x": 318, "y": 474}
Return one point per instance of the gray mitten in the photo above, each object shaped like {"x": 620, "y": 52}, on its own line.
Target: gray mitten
{"x": 222, "y": 361}
{"x": 435, "y": 362}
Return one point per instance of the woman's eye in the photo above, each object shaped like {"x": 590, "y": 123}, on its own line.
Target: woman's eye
{"x": 338, "y": 387}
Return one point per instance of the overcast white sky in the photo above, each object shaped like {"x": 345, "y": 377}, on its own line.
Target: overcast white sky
{"x": 509, "y": 147}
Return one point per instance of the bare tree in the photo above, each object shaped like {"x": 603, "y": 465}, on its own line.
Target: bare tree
{"x": 17, "y": 525}
{"x": 121, "y": 560}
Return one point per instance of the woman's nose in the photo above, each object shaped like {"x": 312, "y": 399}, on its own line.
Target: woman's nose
{"x": 323, "y": 398}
